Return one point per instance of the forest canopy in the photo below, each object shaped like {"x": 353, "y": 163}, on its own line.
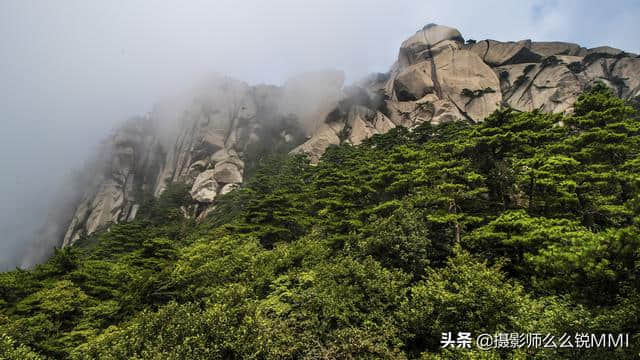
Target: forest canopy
{"x": 526, "y": 222}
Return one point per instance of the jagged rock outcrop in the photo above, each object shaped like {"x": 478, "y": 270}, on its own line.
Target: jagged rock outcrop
{"x": 122, "y": 172}
{"x": 438, "y": 77}
{"x": 208, "y": 141}
{"x": 205, "y": 187}
{"x": 202, "y": 142}
{"x": 326, "y": 135}
{"x": 496, "y": 53}
{"x": 363, "y": 123}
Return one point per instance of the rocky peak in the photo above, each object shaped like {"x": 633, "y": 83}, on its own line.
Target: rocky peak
{"x": 204, "y": 142}
{"x": 424, "y": 43}
{"x": 437, "y": 78}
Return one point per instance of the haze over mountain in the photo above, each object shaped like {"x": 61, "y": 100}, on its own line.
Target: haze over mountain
{"x": 74, "y": 71}
{"x": 285, "y": 180}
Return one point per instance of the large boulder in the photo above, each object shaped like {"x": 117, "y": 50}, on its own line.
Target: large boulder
{"x": 626, "y": 71}
{"x": 604, "y": 50}
{"x": 414, "y": 82}
{"x": 497, "y": 53}
{"x": 228, "y": 188}
{"x": 420, "y": 45}
{"x": 325, "y": 136}
{"x": 550, "y": 86}
{"x": 364, "y": 123}
{"x": 205, "y": 187}
{"x": 221, "y": 155}
{"x": 548, "y": 48}
{"x": 468, "y": 82}
{"x": 233, "y": 160}
{"x": 227, "y": 173}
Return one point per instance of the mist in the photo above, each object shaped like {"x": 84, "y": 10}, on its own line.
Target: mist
{"x": 72, "y": 71}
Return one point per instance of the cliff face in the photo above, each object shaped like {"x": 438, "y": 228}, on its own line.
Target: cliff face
{"x": 203, "y": 142}
{"x": 437, "y": 77}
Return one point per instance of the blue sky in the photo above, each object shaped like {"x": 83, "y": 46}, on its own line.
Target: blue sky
{"x": 72, "y": 70}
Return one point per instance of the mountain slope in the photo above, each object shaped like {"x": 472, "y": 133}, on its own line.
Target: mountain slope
{"x": 208, "y": 139}
{"x": 516, "y": 224}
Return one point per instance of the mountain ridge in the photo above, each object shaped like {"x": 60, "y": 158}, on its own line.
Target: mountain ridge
{"x": 438, "y": 77}
{"x": 526, "y": 221}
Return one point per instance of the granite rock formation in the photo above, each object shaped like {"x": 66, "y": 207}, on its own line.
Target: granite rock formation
{"x": 202, "y": 142}
{"x": 209, "y": 141}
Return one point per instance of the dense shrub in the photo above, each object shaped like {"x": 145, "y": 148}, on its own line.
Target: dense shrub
{"x": 527, "y": 222}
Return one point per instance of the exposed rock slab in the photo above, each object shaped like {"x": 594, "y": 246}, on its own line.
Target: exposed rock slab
{"x": 227, "y": 173}
{"x": 325, "y": 136}
{"x": 205, "y": 187}
{"x": 548, "y": 48}
{"x": 431, "y": 37}
{"x": 496, "y": 53}
{"x": 228, "y": 188}
{"x": 468, "y": 82}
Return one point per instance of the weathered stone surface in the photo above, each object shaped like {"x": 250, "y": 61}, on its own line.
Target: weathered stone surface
{"x": 468, "y": 82}
{"x": 213, "y": 139}
{"x": 444, "y": 111}
{"x": 227, "y": 173}
{"x": 234, "y": 160}
{"x": 106, "y": 206}
{"x": 554, "y": 89}
{"x": 414, "y": 82}
{"x": 179, "y": 142}
{"x": 604, "y": 50}
{"x": 205, "y": 187}
{"x": 197, "y": 167}
{"x": 220, "y": 155}
{"x": 228, "y": 188}
{"x": 548, "y": 48}
{"x": 496, "y": 53}
{"x": 551, "y": 86}
{"x": 360, "y": 121}
{"x": 405, "y": 113}
{"x": 625, "y": 75}
{"x": 381, "y": 123}
{"x": 325, "y": 136}
{"x": 110, "y": 196}
{"x": 418, "y": 46}
{"x": 134, "y": 212}
{"x": 74, "y": 229}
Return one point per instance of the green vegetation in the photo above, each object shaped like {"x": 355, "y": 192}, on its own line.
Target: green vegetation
{"x": 527, "y": 222}
{"x": 472, "y": 94}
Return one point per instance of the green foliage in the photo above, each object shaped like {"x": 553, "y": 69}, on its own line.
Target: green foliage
{"x": 399, "y": 239}
{"x": 527, "y": 222}
{"x": 9, "y": 350}
{"x": 465, "y": 294}
{"x": 167, "y": 206}
{"x": 175, "y": 331}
